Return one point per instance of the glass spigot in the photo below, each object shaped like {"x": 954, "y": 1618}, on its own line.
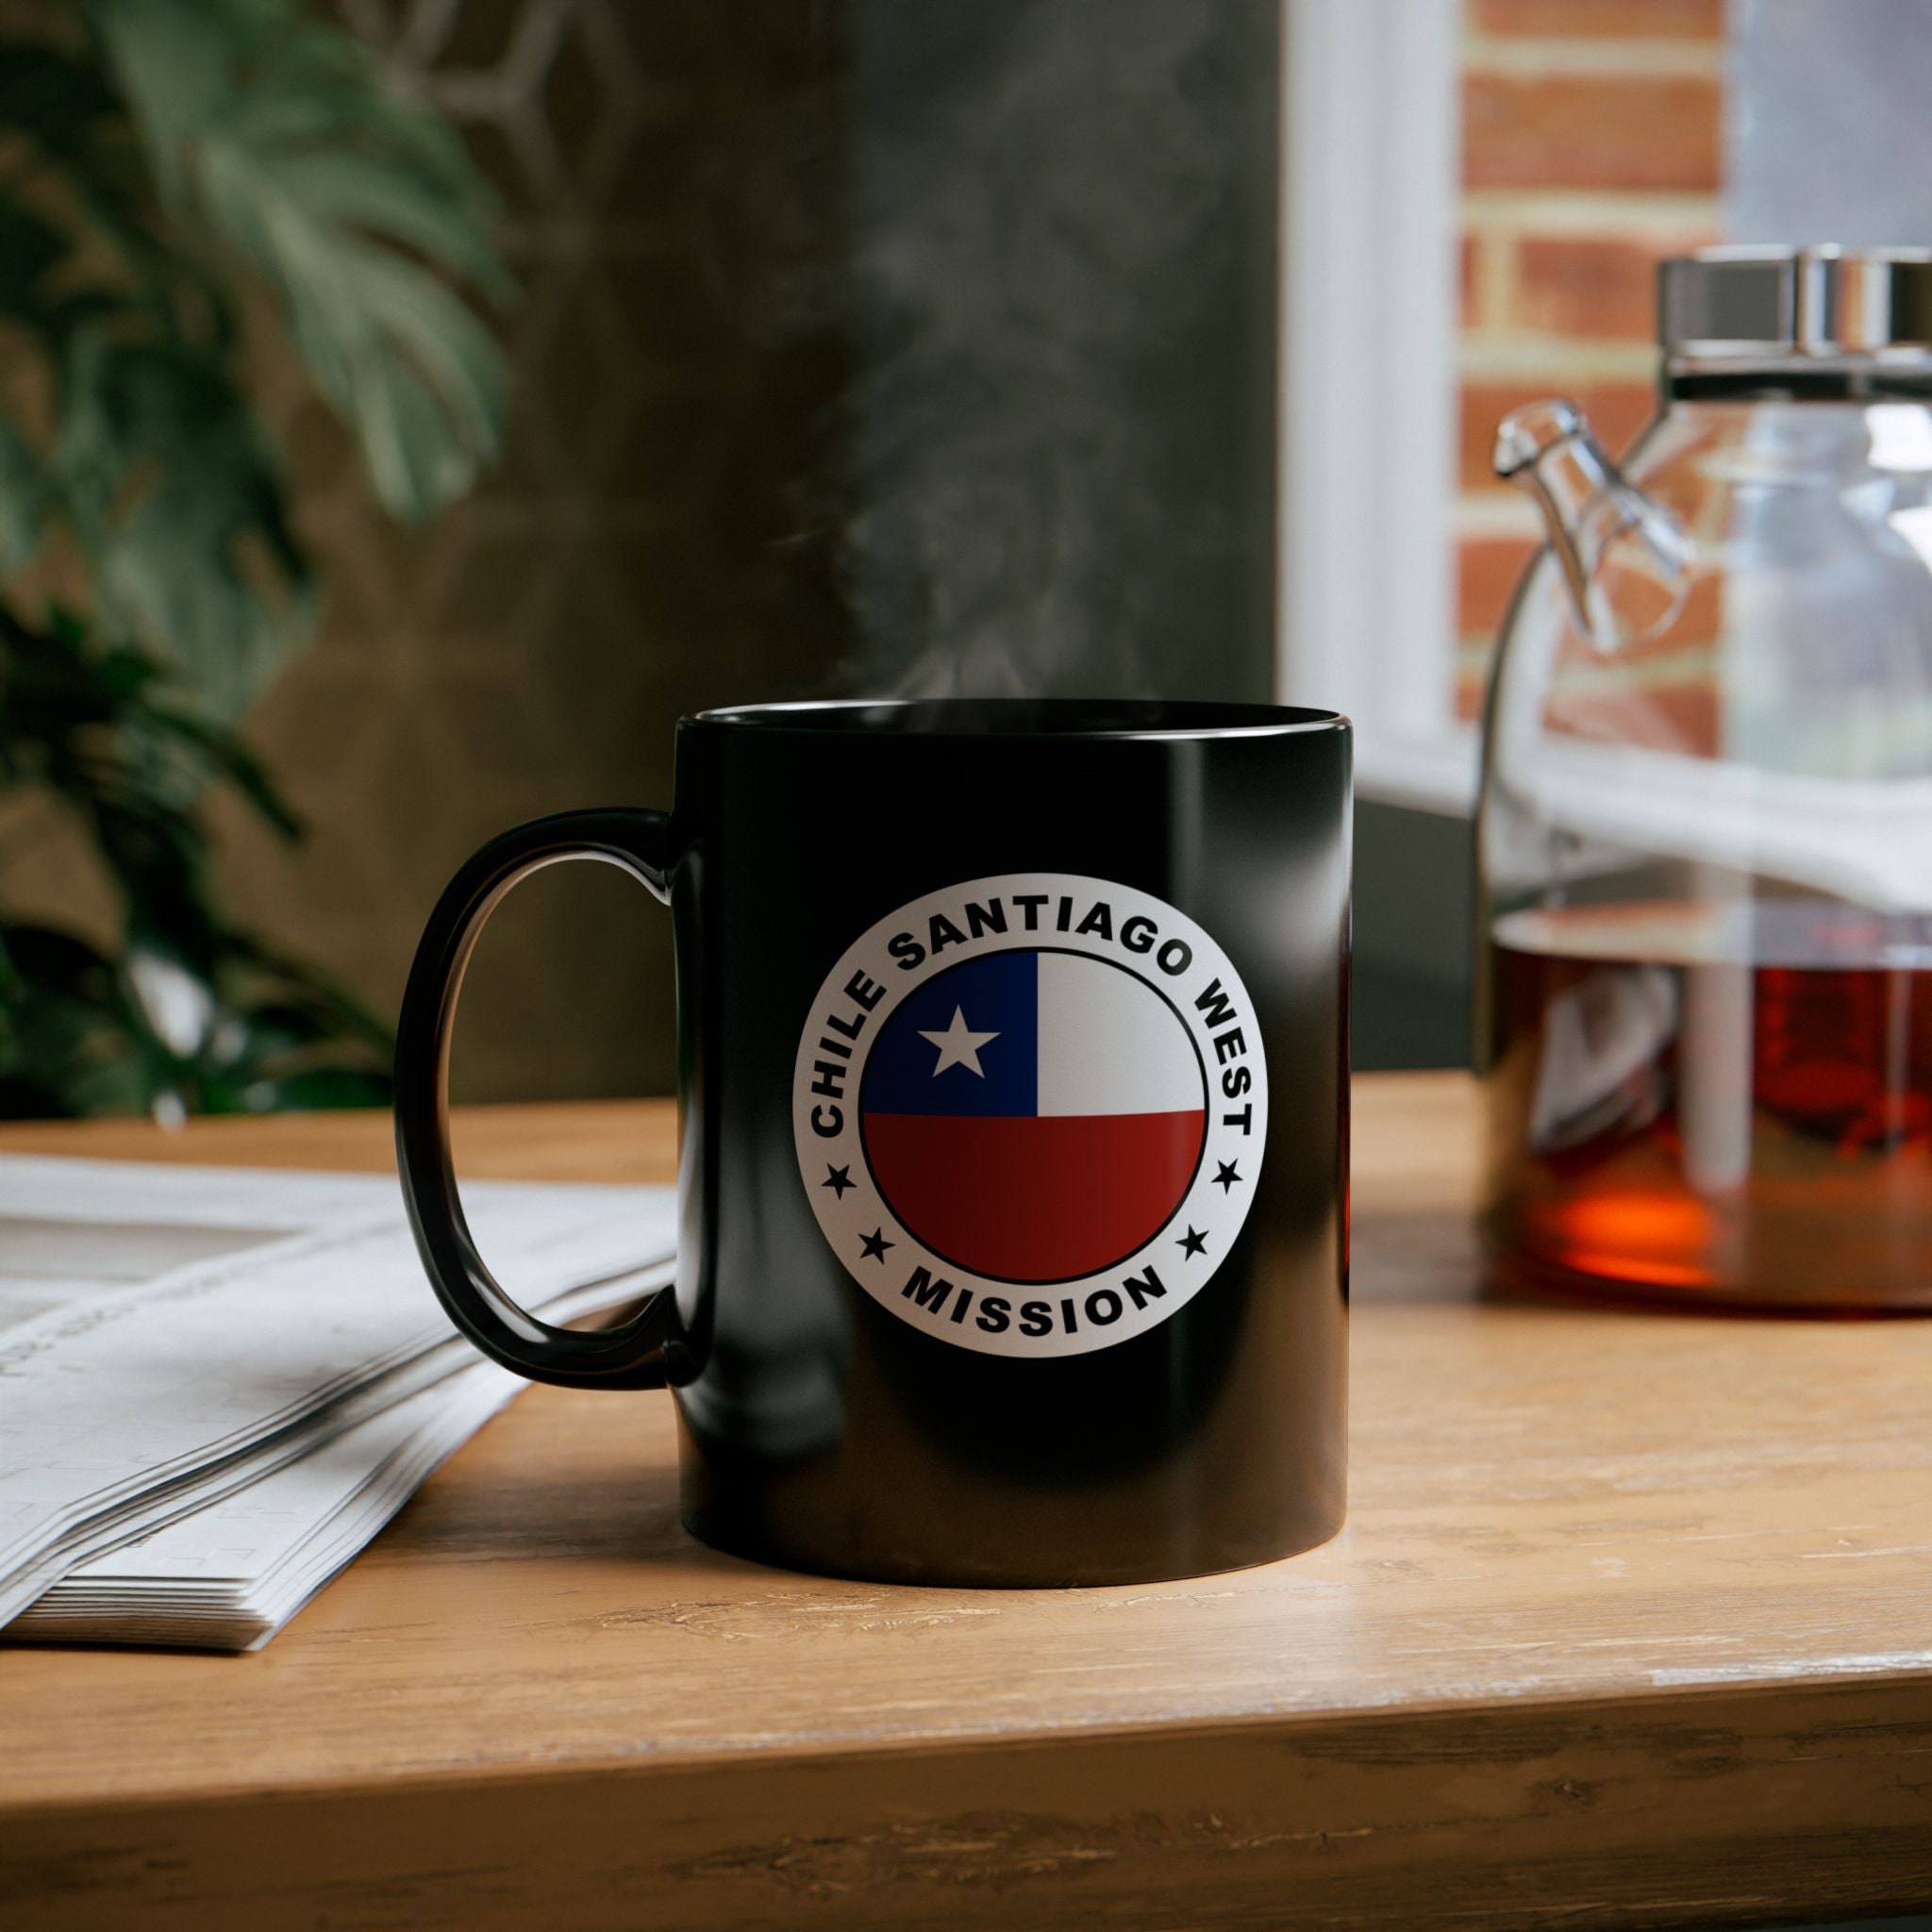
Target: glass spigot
{"x": 1625, "y": 559}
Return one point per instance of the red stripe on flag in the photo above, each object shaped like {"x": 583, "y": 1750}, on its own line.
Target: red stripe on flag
{"x": 1034, "y": 1198}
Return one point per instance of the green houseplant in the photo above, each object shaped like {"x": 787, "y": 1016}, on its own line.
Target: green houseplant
{"x": 172, "y": 173}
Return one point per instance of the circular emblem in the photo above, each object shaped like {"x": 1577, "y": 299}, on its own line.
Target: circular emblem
{"x": 1031, "y": 1113}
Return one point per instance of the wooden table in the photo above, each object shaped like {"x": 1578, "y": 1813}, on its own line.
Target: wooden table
{"x": 1631, "y": 1626}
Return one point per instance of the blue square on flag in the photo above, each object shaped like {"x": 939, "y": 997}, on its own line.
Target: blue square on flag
{"x": 966, "y": 1042}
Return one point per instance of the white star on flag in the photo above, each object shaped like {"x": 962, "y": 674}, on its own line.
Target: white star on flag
{"x": 959, "y": 1046}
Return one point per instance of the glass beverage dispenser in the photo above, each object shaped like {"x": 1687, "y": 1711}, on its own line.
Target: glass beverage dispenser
{"x": 1704, "y": 838}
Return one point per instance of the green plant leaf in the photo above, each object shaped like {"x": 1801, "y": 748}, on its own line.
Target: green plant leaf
{"x": 176, "y": 498}
{"x": 53, "y": 97}
{"x": 313, "y": 1088}
{"x": 228, "y": 757}
{"x": 29, "y": 248}
{"x": 157, "y": 150}
{"x": 65, "y": 1048}
{"x": 23, "y": 500}
{"x": 173, "y": 63}
{"x": 350, "y": 201}
{"x": 73, "y": 130}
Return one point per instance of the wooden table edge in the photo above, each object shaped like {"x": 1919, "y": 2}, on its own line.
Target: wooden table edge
{"x": 1507, "y": 1817}
{"x": 1596, "y": 1712}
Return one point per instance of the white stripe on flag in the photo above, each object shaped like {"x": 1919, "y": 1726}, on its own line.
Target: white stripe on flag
{"x": 1109, "y": 1043}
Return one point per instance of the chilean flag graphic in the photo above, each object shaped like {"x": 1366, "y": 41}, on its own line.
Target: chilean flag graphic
{"x": 1034, "y": 1116}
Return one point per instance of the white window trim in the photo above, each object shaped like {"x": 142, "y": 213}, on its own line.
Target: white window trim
{"x": 1371, "y": 159}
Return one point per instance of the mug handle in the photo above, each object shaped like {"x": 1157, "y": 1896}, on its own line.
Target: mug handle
{"x": 628, "y": 1357}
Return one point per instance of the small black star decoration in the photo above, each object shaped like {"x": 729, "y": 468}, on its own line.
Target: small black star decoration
{"x": 838, "y": 1179}
{"x": 875, "y": 1245}
{"x": 1226, "y": 1179}
{"x": 1191, "y": 1244}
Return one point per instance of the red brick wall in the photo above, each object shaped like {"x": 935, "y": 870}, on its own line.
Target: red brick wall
{"x": 1591, "y": 147}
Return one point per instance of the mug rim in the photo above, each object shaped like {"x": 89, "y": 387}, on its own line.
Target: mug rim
{"x": 1025, "y": 717}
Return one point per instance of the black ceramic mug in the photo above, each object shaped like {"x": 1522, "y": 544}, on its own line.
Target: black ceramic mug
{"x": 1013, "y": 1072}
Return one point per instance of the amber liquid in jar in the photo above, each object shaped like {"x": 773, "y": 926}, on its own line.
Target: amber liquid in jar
{"x": 1713, "y": 1103}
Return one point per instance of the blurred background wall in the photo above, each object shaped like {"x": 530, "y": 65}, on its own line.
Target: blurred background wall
{"x": 898, "y": 346}
{"x": 874, "y": 346}
{"x": 861, "y": 347}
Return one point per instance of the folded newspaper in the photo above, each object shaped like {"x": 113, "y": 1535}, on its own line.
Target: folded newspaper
{"x": 217, "y": 1385}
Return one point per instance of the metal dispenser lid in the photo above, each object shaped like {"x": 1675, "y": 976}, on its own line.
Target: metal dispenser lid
{"x": 1725, "y": 310}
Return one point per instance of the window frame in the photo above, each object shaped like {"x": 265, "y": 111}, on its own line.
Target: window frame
{"x": 1370, "y": 308}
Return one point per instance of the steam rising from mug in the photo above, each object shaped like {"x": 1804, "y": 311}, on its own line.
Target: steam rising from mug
{"x": 1056, "y": 447}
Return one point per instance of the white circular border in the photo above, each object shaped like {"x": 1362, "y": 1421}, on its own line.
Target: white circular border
{"x": 1218, "y": 1212}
